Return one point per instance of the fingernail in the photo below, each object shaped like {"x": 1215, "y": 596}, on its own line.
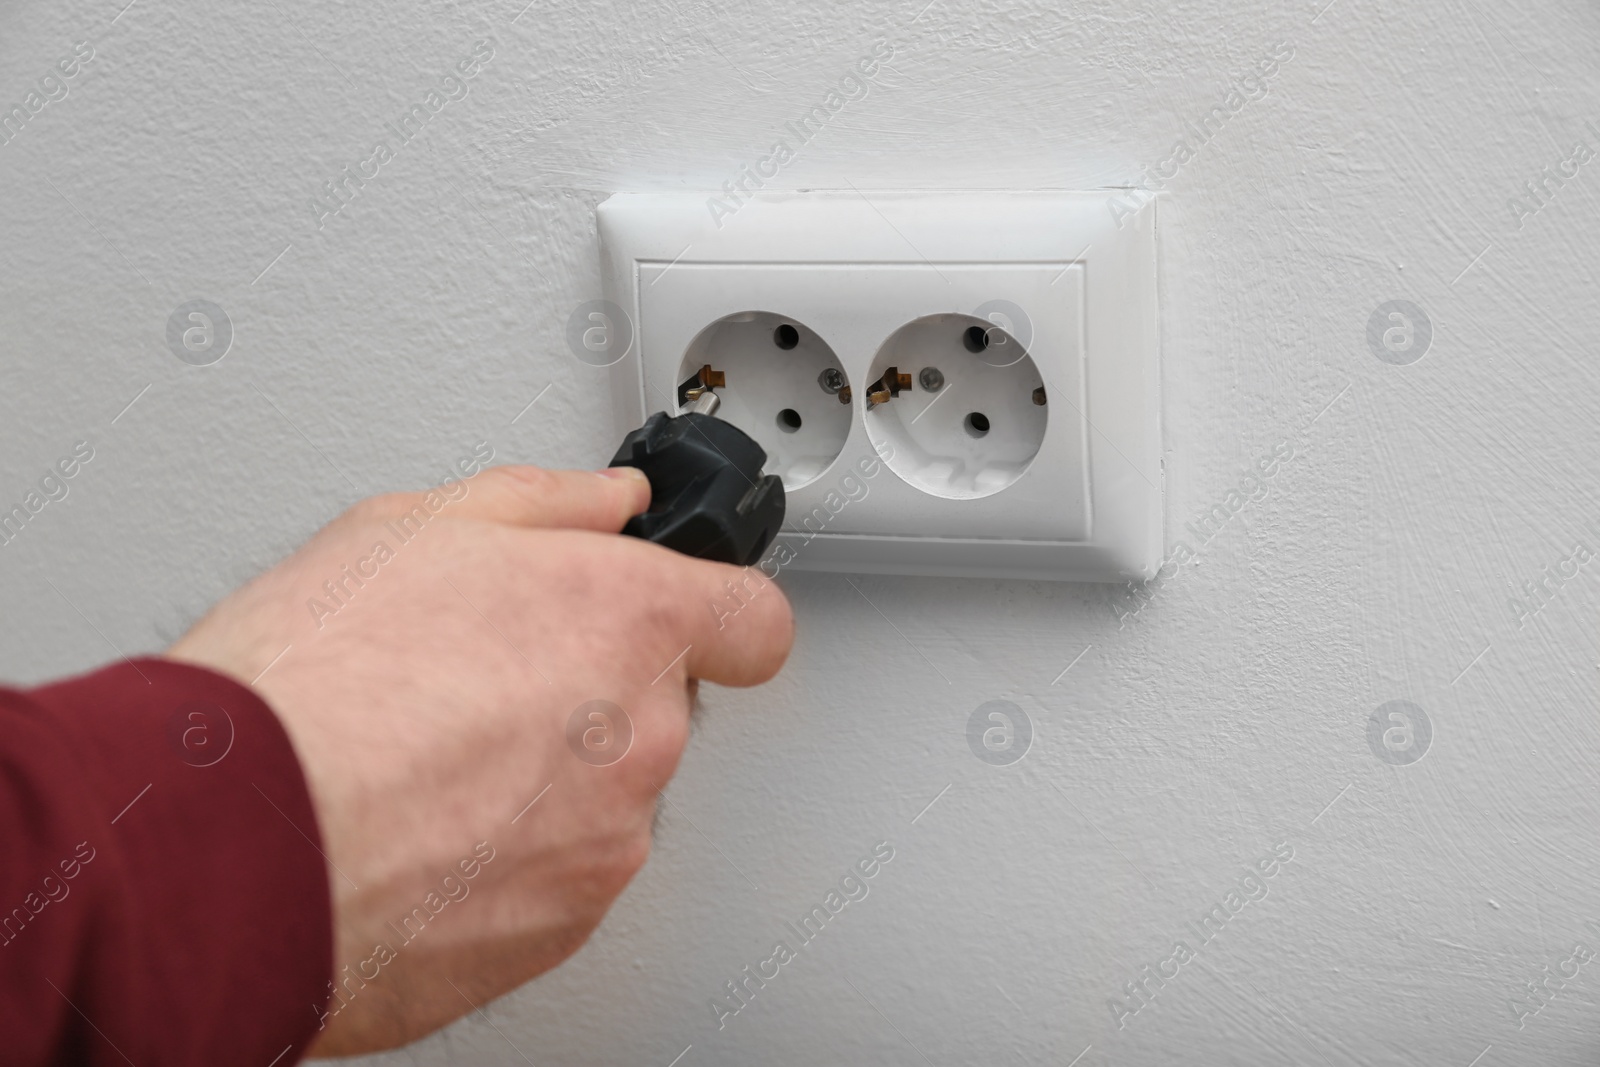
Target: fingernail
{"x": 624, "y": 473}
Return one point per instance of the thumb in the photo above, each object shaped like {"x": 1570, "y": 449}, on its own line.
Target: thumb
{"x": 527, "y": 496}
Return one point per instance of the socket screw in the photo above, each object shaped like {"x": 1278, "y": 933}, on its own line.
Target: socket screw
{"x": 831, "y": 380}
{"x": 932, "y": 379}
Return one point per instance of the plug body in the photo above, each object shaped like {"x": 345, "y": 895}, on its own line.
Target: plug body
{"x": 708, "y": 495}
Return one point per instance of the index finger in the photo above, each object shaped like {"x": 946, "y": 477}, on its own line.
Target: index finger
{"x": 736, "y": 622}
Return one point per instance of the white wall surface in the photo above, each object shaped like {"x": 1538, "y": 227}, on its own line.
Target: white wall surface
{"x": 1228, "y": 715}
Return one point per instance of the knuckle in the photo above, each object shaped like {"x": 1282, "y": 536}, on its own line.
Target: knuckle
{"x": 659, "y": 751}
{"x": 633, "y": 855}
{"x": 373, "y": 508}
{"x": 534, "y": 482}
{"x": 621, "y": 859}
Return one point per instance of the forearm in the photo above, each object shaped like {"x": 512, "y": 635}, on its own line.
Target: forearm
{"x": 163, "y": 898}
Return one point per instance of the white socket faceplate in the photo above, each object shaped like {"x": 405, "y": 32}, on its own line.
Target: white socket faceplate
{"x": 1068, "y": 280}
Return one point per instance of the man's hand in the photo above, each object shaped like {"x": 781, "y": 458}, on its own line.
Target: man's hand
{"x": 441, "y": 687}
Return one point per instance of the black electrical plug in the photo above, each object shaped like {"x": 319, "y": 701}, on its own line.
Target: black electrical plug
{"x": 708, "y": 495}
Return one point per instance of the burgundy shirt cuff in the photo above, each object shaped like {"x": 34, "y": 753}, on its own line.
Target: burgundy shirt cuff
{"x": 168, "y": 899}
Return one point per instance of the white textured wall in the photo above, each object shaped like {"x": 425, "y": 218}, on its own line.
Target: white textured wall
{"x": 1218, "y": 721}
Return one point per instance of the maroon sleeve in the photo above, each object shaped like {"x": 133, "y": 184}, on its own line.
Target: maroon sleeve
{"x": 163, "y": 895}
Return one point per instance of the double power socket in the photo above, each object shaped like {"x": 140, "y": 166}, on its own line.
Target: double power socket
{"x": 960, "y": 384}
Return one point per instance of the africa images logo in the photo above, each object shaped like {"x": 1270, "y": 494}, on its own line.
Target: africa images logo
{"x": 201, "y": 733}
{"x": 1399, "y": 732}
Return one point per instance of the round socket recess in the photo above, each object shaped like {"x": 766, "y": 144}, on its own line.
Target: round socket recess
{"x": 779, "y": 379}
{"x": 979, "y": 429}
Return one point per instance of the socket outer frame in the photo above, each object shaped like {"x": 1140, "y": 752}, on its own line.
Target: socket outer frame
{"x": 1090, "y": 505}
